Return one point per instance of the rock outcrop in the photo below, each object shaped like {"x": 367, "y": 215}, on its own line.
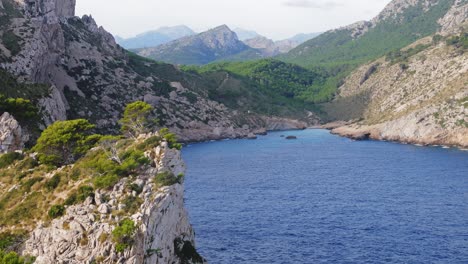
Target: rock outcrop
{"x": 53, "y": 107}
{"x": 49, "y": 8}
{"x": 92, "y": 77}
{"x": 83, "y": 234}
{"x": 455, "y": 19}
{"x": 422, "y": 100}
{"x": 12, "y": 136}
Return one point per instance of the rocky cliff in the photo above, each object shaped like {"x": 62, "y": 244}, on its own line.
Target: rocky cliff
{"x": 152, "y": 200}
{"x": 90, "y": 76}
{"x": 12, "y": 136}
{"x": 416, "y": 95}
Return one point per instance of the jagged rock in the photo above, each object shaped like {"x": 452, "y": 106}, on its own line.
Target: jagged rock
{"x": 163, "y": 224}
{"x": 103, "y": 209}
{"x": 48, "y": 8}
{"x": 455, "y": 18}
{"x": 53, "y": 107}
{"x": 12, "y": 137}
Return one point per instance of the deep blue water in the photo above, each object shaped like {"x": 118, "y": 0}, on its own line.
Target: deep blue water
{"x": 326, "y": 199}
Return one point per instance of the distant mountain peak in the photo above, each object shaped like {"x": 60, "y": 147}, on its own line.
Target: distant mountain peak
{"x": 156, "y": 37}
{"x": 220, "y": 28}
{"x": 205, "y": 47}
{"x": 244, "y": 34}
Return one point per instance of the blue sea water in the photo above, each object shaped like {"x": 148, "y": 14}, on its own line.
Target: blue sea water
{"x": 327, "y": 199}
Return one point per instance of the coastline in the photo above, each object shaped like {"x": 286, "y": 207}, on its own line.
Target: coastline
{"x": 446, "y": 139}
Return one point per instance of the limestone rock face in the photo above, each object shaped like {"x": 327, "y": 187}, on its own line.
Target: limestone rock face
{"x": 12, "y": 137}
{"x": 92, "y": 77}
{"x": 54, "y": 107}
{"x": 455, "y": 19}
{"x": 423, "y": 103}
{"x": 83, "y": 234}
{"x": 50, "y": 8}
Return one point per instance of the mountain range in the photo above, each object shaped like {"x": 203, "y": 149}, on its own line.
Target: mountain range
{"x": 155, "y": 37}
{"x": 221, "y": 44}
{"x": 401, "y": 76}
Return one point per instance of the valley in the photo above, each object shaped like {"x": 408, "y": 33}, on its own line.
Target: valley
{"x": 92, "y": 126}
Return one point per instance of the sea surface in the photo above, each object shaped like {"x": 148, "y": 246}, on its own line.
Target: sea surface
{"x": 327, "y": 199}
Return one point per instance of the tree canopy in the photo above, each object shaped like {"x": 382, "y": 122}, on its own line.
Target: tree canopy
{"x": 136, "y": 119}
{"x": 63, "y": 142}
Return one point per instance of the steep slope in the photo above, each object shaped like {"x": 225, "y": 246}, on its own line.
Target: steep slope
{"x": 416, "y": 95}
{"x": 399, "y": 24}
{"x": 283, "y": 79}
{"x": 61, "y": 215}
{"x": 87, "y": 75}
{"x": 206, "y": 47}
{"x": 155, "y": 38}
{"x": 342, "y": 50}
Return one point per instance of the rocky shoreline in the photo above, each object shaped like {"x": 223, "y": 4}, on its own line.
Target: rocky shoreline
{"x": 456, "y": 138}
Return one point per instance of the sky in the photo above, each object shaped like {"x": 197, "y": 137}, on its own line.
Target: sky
{"x": 276, "y": 19}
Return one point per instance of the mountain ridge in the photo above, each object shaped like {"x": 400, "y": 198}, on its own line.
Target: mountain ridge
{"x": 203, "y": 48}
{"x": 155, "y": 37}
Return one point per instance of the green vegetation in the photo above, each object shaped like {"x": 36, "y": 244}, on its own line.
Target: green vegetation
{"x": 65, "y": 141}
{"x": 13, "y": 258}
{"x": 9, "y": 243}
{"x": 123, "y": 235}
{"x": 107, "y": 171}
{"x": 167, "y": 179}
{"x": 402, "y": 56}
{"x": 235, "y": 91}
{"x": 20, "y": 108}
{"x": 56, "y": 211}
{"x": 53, "y": 182}
{"x": 11, "y": 88}
{"x": 282, "y": 79}
{"x": 338, "y": 48}
{"x": 171, "y": 138}
{"x": 338, "y": 52}
{"x": 136, "y": 119}
{"x": 11, "y": 42}
{"x": 460, "y": 42}
{"x": 132, "y": 204}
{"x": 80, "y": 195}
{"x": 9, "y": 158}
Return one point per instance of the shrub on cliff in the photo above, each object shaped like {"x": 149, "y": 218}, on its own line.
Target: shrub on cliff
{"x": 80, "y": 195}
{"x": 171, "y": 138}
{"x": 123, "y": 234}
{"x": 9, "y": 158}
{"x": 136, "y": 119}
{"x": 20, "y": 108}
{"x": 13, "y": 258}
{"x": 167, "y": 179}
{"x": 56, "y": 211}
{"x": 107, "y": 171}
{"x": 65, "y": 141}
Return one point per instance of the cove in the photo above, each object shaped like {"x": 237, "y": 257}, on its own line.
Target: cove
{"x": 327, "y": 199}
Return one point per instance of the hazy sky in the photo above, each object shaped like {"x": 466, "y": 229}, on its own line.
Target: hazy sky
{"x": 275, "y": 19}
